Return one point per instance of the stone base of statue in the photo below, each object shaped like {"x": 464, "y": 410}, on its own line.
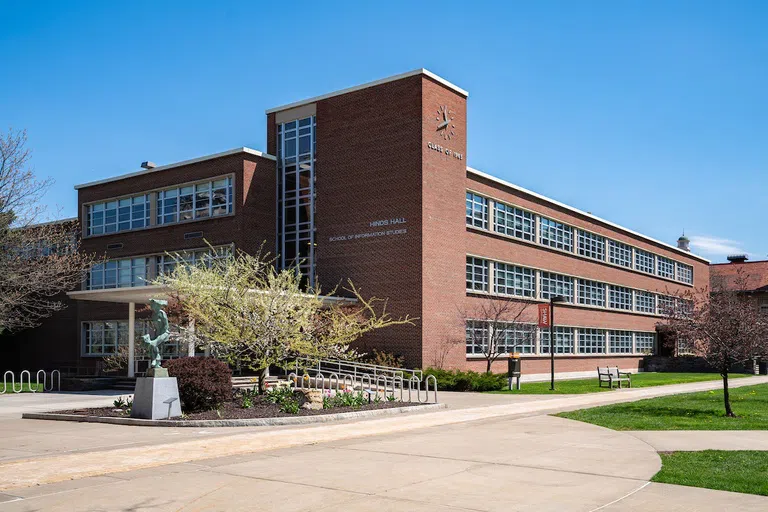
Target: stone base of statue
{"x": 156, "y": 398}
{"x": 157, "y": 372}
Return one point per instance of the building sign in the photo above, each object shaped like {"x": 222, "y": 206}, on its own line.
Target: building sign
{"x": 544, "y": 315}
{"x": 394, "y": 227}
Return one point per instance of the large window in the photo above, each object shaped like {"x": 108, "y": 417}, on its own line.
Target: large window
{"x": 666, "y": 305}
{"x": 619, "y": 297}
{"x": 195, "y": 201}
{"x": 666, "y": 267}
{"x": 619, "y": 253}
{"x": 103, "y": 337}
{"x": 645, "y": 302}
{"x": 296, "y": 196}
{"x": 591, "y": 341}
{"x": 645, "y": 342}
{"x": 167, "y": 263}
{"x": 645, "y": 261}
{"x": 620, "y": 342}
{"x": 514, "y": 280}
{"x": 515, "y": 222}
{"x": 123, "y": 273}
{"x": 476, "y": 336}
{"x": 517, "y": 338}
{"x": 591, "y": 293}
{"x": 563, "y": 341}
{"x": 477, "y": 274}
{"x": 591, "y": 245}
{"x": 555, "y": 234}
{"x": 685, "y": 273}
{"x": 118, "y": 215}
{"x": 477, "y": 211}
{"x": 553, "y": 285}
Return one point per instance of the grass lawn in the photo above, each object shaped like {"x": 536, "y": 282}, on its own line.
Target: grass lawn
{"x": 737, "y": 471}
{"x": 25, "y": 388}
{"x": 639, "y": 380}
{"x": 691, "y": 411}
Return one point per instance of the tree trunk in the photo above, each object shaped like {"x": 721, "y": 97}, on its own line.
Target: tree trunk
{"x": 726, "y": 397}
{"x": 262, "y": 378}
{"x": 488, "y": 366}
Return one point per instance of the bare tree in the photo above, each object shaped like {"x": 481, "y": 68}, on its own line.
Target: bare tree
{"x": 498, "y": 326}
{"x": 723, "y": 325}
{"x": 443, "y": 349}
{"x": 37, "y": 261}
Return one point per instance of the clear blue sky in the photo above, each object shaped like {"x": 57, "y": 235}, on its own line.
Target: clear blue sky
{"x": 653, "y": 115}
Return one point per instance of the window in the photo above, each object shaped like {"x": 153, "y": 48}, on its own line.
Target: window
{"x": 514, "y": 280}
{"x": 645, "y": 302}
{"x": 645, "y": 261}
{"x": 619, "y": 253}
{"x": 563, "y": 341}
{"x": 552, "y": 285}
{"x": 591, "y": 245}
{"x": 556, "y": 234}
{"x": 167, "y": 263}
{"x": 619, "y": 297}
{"x": 517, "y": 338}
{"x": 118, "y": 215}
{"x": 477, "y": 211}
{"x": 514, "y": 221}
{"x": 685, "y": 273}
{"x": 591, "y": 293}
{"x": 645, "y": 342}
{"x": 591, "y": 341}
{"x": 103, "y": 338}
{"x": 666, "y": 267}
{"x": 123, "y": 273}
{"x": 620, "y": 342}
{"x": 477, "y": 274}
{"x": 763, "y": 304}
{"x": 477, "y": 336}
{"x": 197, "y": 201}
{"x": 666, "y": 305}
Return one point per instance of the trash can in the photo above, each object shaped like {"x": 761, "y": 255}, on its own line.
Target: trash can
{"x": 513, "y": 370}
{"x": 762, "y": 367}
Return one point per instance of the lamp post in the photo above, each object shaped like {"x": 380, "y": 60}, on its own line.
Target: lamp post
{"x": 552, "y": 301}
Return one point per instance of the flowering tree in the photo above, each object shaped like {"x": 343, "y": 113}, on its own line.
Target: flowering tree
{"x": 252, "y": 315}
{"x": 723, "y": 325}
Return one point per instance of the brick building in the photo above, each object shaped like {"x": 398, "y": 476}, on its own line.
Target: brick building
{"x": 371, "y": 184}
{"x": 740, "y": 274}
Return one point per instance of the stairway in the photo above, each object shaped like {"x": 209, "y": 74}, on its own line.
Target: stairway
{"x": 127, "y": 384}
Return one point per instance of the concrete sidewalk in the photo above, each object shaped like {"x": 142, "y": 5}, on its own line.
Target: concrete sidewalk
{"x": 697, "y": 440}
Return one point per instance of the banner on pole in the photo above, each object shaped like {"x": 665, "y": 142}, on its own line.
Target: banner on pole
{"x": 544, "y": 315}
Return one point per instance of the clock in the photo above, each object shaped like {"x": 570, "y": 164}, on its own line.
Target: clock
{"x": 445, "y": 126}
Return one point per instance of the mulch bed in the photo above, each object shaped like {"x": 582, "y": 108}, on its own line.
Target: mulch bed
{"x": 232, "y": 410}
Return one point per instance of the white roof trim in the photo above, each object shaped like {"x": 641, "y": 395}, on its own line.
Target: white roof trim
{"x": 585, "y": 214}
{"x": 420, "y": 71}
{"x": 178, "y": 164}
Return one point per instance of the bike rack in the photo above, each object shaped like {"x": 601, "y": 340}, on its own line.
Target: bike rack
{"x": 55, "y": 381}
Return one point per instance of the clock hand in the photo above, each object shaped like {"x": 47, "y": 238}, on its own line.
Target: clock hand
{"x": 442, "y": 125}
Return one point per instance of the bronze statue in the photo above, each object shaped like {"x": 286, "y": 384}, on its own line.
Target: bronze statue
{"x": 162, "y": 331}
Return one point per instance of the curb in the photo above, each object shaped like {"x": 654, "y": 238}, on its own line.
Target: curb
{"x": 251, "y": 422}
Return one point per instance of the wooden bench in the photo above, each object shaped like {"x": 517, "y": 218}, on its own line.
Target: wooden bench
{"x": 611, "y": 375}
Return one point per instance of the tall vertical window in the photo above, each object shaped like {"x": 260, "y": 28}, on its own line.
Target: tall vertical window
{"x": 563, "y": 341}
{"x": 195, "y": 201}
{"x": 296, "y": 196}
{"x": 553, "y": 285}
{"x": 666, "y": 267}
{"x": 620, "y": 342}
{"x": 619, "y": 253}
{"x": 118, "y": 215}
{"x": 555, "y": 234}
{"x": 685, "y": 273}
{"x": 123, "y": 273}
{"x": 645, "y": 342}
{"x": 645, "y": 302}
{"x": 591, "y": 293}
{"x": 515, "y": 222}
{"x": 645, "y": 261}
{"x": 591, "y": 341}
{"x": 477, "y": 211}
{"x": 591, "y": 245}
{"x": 477, "y": 274}
{"x": 514, "y": 280}
{"x": 619, "y": 297}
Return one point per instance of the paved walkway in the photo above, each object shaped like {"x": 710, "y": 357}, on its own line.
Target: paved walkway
{"x": 697, "y": 440}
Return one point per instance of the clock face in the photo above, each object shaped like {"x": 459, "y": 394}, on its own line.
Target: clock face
{"x": 445, "y": 126}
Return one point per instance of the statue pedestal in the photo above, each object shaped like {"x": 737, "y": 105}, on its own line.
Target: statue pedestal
{"x": 156, "y": 398}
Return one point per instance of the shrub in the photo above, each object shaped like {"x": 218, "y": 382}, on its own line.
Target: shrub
{"x": 346, "y": 398}
{"x": 455, "y": 380}
{"x": 384, "y": 358}
{"x": 204, "y": 382}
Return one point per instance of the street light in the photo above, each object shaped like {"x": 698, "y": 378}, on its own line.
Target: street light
{"x": 552, "y": 301}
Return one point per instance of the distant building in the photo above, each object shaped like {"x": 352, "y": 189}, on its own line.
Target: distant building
{"x": 754, "y": 273}
{"x": 371, "y": 184}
